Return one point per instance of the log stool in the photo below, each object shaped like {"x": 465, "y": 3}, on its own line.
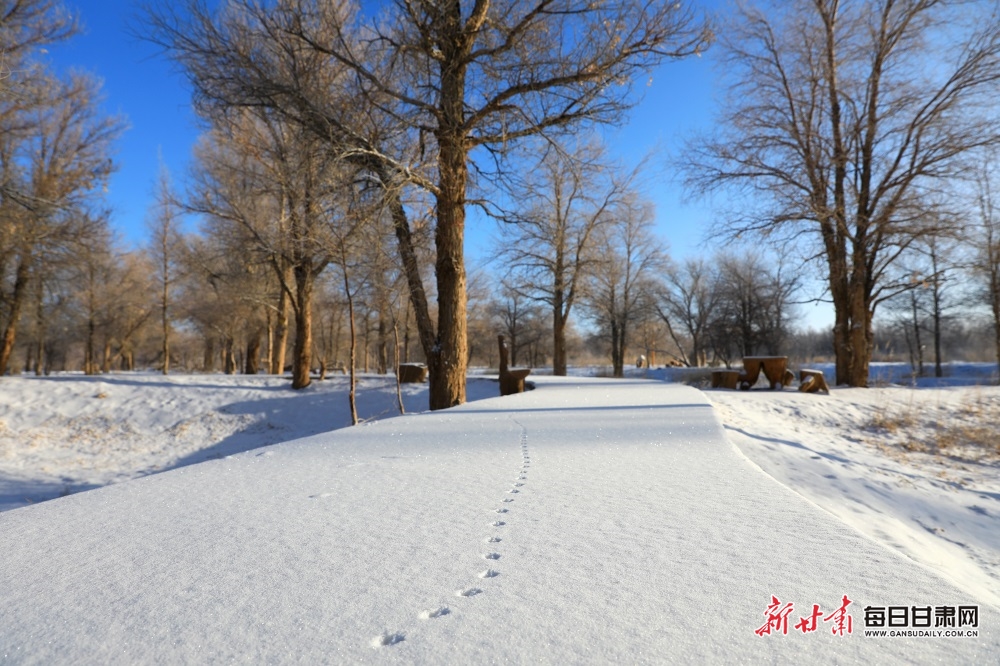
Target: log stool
{"x": 511, "y": 379}
{"x": 812, "y": 381}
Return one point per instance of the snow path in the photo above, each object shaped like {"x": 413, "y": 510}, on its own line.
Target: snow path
{"x": 585, "y": 522}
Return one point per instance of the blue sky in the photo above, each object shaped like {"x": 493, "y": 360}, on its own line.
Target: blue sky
{"x": 143, "y": 85}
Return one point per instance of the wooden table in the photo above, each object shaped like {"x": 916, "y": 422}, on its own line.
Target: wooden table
{"x": 774, "y": 368}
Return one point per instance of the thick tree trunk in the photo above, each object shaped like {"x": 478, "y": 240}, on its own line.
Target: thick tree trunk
{"x": 617, "y": 350}
{"x": 302, "y": 353}
{"x": 558, "y": 338}
{"x": 411, "y": 269}
{"x": 228, "y": 358}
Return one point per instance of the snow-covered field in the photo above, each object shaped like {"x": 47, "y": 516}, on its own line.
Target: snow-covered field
{"x": 612, "y": 520}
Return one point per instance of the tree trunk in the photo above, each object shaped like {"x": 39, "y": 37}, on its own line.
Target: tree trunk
{"x": 936, "y": 296}
{"x": 208, "y": 359}
{"x": 558, "y": 337}
{"x": 228, "y": 358}
{"x": 252, "y": 366}
{"x": 106, "y": 361}
{"x": 303, "y": 326}
{"x": 165, "y": 320}
{"x": 280, "y": 335}
{"x": 918, "y": 344}
{"x": 382, "y": 351}
{"x": 994, "y": 277}
{"x": 395, "y": 355}
{"x": 16, "y": 303}
{"x": 617, "y": 350}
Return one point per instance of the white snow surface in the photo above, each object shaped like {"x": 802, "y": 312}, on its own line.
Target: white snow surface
{"x": 587, "y": 521}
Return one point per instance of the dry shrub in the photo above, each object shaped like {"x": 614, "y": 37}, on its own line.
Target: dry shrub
{"x": 966, "y": 430}
{"x": 892, "y": 421}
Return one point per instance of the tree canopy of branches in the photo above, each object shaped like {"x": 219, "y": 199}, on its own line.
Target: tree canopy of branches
{"x": 622, "y": 285}
{"x": 431, "y": 75}
{"x": 842, "y": 117}
{"x": 548, "y": 240}
{"x": 54, "y": 158}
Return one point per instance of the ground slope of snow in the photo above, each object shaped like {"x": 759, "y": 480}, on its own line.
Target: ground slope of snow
{"x": 585, "y": 522}
{"x": 916, "y": 469}
{"x": 67, "y": 433}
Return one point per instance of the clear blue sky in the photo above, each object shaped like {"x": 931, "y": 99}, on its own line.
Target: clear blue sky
{"x": 143, "y": 86}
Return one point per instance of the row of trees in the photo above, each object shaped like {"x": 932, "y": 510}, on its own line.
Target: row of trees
{"x": 852, "y": 130}
{"x": 343, "y": 150}
{"x": 55, "y": 156}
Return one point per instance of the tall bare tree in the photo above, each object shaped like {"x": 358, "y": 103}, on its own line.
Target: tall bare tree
{"x": 686, "y": 302}
{"x": 548, "y": 239}
{"x": 622, "y": 290}
{"x": 53, "y": 167}
{"x": 986, "y": 261}
{"x": 454, "y": 78}
{"x": 257, "y": 172}
{"x": 841, "y": 117}
{"x": 165, "y": 249}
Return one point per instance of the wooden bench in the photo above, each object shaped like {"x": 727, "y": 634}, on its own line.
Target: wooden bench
{"x": 812, "y": 381}
{"x": 727, "y": 379}
{"x": 511, "y": 379}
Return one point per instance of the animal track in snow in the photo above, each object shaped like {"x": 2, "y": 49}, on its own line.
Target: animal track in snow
{"x": 501, "y": 510}
{"x": 498, "y": 523}
{"x": 468, "y": 592}
{"x": 494, "y": 539}
{"x": 491, "y": 556}
{"x": 508, "y": 500}
{"x": 321, "y": 496}
{"x": 489, "y": 573}
{"x": 518, "y": 485}
{"x": 437, "y": 612}
{"x": 387, "y": 639}
{"x": 513, "y": 490}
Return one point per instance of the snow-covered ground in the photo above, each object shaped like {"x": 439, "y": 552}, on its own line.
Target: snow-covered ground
{"x": 67, "y": 433}
{"x": 612, "y": 520}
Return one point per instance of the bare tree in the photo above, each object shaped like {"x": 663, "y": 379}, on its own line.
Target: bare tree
{"x": 457, "y": 79}
{"x": 274, "y": 182}
{"x": 548, "y": 239}
{"x": 986, "y": 261}
{"x": 165, "y": 247}
{"x": 25, "y": 27}
{"x": 752, "y": 305}
{"x": 841, "y": 118}
{"x": 516, "y": 317}
{"x": 622, "y": 290}
{"x": 686, "y": 304}
{"x": 52, "y": 166}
